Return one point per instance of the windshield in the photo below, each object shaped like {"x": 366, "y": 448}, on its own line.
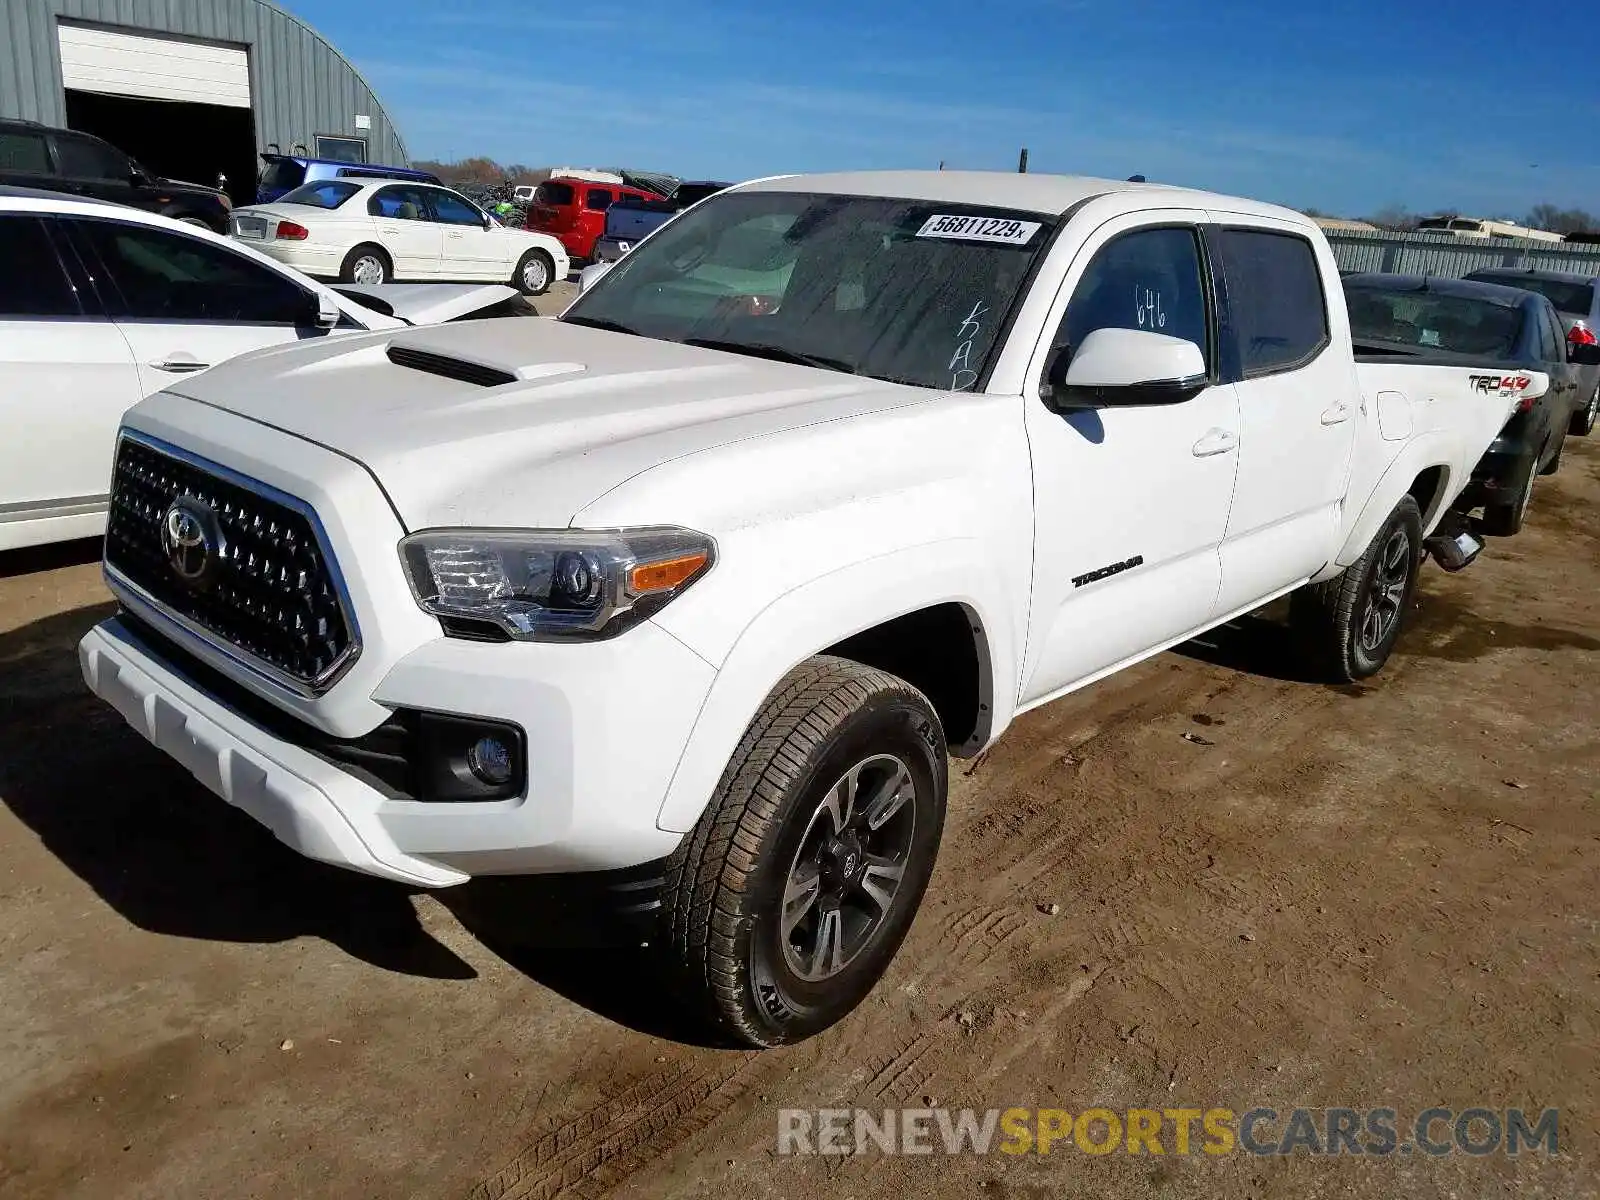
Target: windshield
{"x": 282, "y": 173}
{"x": 327, "y": 193}
{"x": 910, "y": 291}
{"x": 1457, "y": 324}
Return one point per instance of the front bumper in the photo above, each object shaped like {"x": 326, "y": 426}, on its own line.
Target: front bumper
{"x": 605, "y": 726}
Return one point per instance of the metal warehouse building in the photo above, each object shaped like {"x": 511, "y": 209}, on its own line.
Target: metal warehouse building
{"x": 190, "y": 88}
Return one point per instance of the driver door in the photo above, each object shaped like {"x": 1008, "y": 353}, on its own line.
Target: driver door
{"x": 468, "y": 250}
{"x": 1130, "y": 502}
{"x": 186, "y": 303}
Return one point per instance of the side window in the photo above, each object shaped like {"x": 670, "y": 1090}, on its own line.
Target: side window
{"x": 1558, "y": 339}
{"x": 399, "y": 203}
{"x": 598, "y": 200}
{"x": 1149, "y": 279}
{"x": 163, "y": 276}
{"x": 453, "y": 210}
{"x": 1280, "y": 313}
{"x": 85, "y": 158}
{"x": 24, "y": 152}
{"x": 33, "y": 283}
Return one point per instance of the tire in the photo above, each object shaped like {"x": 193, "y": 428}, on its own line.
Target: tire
{"x": 362, "y": 260}
{"x": 199, "y": 222}
{"x": 1505, "y": 520}
{"x": 1583, "y": 422}
{"x": 1342, "y": 635}
{"x": 535, "y": 272}
{"x": 770, "y": 831}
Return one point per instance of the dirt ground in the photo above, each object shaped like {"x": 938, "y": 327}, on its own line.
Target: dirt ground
{"x": 1378, "y": 895}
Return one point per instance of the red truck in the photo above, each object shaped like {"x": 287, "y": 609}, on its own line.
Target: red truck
{"x": 574, "y": 211}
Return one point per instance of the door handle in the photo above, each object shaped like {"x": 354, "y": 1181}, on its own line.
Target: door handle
{"x": 180, "y": 366}
{"x": 1216, "y": 441}
{"x": 1336, "y": 415}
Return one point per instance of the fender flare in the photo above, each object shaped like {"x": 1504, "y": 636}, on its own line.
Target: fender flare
{"x": 1425, "y": 453}
{"x": 819, "y": 614}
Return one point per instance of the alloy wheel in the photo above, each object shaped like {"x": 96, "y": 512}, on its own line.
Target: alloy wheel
{"x": 847, "y": 869}
{"x": 1386, "y": 596}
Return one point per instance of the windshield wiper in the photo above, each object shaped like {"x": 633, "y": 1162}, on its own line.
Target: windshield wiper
{"x": 776, "y": 353}
{"x": 601, "y": 323}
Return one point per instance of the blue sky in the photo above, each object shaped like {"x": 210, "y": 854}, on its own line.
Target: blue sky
{"x": 1486, "y": 110}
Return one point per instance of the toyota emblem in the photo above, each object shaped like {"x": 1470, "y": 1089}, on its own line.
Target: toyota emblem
{"x": 190, "y": 539}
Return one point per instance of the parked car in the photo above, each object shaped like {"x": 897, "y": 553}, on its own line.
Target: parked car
{"x": 63, "y": 160}
{"x": 102, "y": 304}
{"x": 574, "y": 211}
{"x": 1455, "y": 322}
{"x": 699, "y": 582}
{"x": 1577, "y": 300}
{"x": 629, "y": 220}
{"x": 282, "y": 173}
{"x": 381, "y": 230}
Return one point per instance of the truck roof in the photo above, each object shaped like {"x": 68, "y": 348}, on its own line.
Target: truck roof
{"x": 1053, "y": 194}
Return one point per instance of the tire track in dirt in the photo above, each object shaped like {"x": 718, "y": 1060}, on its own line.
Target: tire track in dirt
{"x": 589, "y": 1154}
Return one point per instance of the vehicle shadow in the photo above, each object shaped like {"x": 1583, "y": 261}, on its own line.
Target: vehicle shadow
{"x": 53, "y": 557}
{"x": 561, "y": 933}
{"x": 1258, "y": 643}
{"x": 171, "y": 858}
{"x": 156, "y": 846}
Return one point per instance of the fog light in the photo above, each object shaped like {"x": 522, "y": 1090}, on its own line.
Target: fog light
{"x": 490, "y": 759}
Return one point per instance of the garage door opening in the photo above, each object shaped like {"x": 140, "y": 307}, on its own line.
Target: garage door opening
{"x": 180, "y": 140}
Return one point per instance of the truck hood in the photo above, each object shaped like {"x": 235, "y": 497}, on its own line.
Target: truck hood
{"x": 524, "y": 422}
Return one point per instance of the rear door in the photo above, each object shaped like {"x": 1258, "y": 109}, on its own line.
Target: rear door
{"x": 406, "y": 229}
{"x": 92, "y": 168}
{"x": 1298, "y": 402}
{"x": 1564, "y": 376}
{"x": 185, "y": 303}
{"x": 66, "y": 377}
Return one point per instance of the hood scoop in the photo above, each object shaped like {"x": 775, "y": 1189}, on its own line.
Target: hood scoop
{"x": 485, "y": 368}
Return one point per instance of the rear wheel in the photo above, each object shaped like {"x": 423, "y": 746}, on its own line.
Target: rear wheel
{"x": 786, "y": 904}
{"x": 1583, "y": 421}
{"x": 366, "y": 264}
{"x": 1348, "y": 625}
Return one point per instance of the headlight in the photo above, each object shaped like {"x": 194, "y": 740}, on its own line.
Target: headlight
{"x": 553, "y": 585}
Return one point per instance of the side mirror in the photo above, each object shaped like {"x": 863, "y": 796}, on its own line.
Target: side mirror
{"x": 1584, "y": 354}
{"x": 1125, "y": 367}
{"x": 138, "y": 176}
{"x": 327, "y": 313}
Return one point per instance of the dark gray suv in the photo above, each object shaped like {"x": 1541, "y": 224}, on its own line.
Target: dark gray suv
{"x": 1577, "y": 303}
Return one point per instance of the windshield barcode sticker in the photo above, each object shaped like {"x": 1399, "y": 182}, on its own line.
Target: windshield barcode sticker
{"x": 980, "y": 229}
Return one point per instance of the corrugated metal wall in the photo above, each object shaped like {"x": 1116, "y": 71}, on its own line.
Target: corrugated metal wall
{"x": 1443, "y": 254}
{"x": 301, "y": 86}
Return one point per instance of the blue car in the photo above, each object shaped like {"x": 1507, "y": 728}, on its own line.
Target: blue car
{"x": 282, "y": 173}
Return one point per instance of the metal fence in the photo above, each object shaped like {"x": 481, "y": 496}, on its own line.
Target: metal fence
{"x": 1446, "y": 254}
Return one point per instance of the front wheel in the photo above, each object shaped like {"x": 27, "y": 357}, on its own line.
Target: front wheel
{"x": 1348, "y": 625}
{"x": 535, "y": 273}
{"x": 1583, "y": 422}
{"x": 785, "y": 905}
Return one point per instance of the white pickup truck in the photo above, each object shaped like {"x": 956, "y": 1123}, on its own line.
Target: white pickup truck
{"x": 700, "y": 582}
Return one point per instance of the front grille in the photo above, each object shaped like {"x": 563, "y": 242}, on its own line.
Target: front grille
{"x": 268, "y": 591}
